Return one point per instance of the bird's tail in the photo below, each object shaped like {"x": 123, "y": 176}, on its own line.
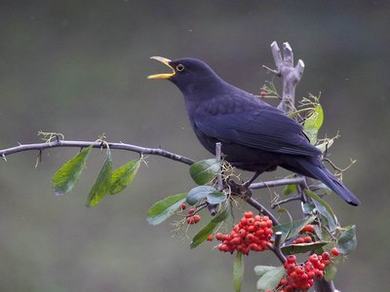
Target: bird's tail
{"x": 317, "y": 170}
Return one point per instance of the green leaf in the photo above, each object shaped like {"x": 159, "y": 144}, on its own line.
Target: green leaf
{"x": 198, "y": 193}
{"x": 270, "y": 279}
{"x": 291, "y": 229}
{"x": 69, "y": 173}
{"x": 290, "y": 189}
{"x": 202, "y": 235}
{"x": 163, "y": 209}
{"x": 313, "y": 123}
{"x": 102, "y": 184}
{"x": 327, "y": 219}
{"x": 123, "y": 176}
{"x": 261, "y": 270}
{"x": 204, "y": 171}
{"x": 330, "y": 272}
{"x": 303, "y": 247}
{"x": 216, "y": 198}
{"x": 317, "y": 198}
{"x": 347, "y": 241}
{"x": 238, "y": 271}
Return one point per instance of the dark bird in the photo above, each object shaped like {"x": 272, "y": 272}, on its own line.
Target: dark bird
{"x": 255, "y": 136}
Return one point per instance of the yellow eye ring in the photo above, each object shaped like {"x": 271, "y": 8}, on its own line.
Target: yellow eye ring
{"x": 180, "y": 67}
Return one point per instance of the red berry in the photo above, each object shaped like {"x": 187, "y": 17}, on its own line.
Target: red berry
{"x": 191, "y": 211}
{"x": 308, "y": 228}
{"x": 219, "y": 236}
{"x": 325, "y": 255}
{"x": 196, "y": 218}
{"x": 248, "y": 214}
{"x": 244, "y": 221}
{"x": 183, "y": 206}
{"x": 335, "y": 252}
{"x": 291, "y": 259}
{"x": 210, "y": 237}
{"x": 307, "y": 239}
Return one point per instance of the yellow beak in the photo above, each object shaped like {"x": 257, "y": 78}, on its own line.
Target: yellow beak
{"x": 166, "y": 62}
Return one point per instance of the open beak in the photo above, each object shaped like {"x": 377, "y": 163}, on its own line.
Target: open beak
{"x": 166, "y": 62}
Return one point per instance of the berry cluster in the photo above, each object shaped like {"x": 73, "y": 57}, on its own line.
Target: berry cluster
{"x": 191, "y": 218}
{"x": 303, "y": 239}
{"x": 251, "y": 233}
{"x": 306, "y": 237}
{"x": 302, "y": 276}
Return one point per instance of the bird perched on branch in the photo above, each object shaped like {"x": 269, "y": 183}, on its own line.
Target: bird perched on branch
{"x": 255, "y": 136}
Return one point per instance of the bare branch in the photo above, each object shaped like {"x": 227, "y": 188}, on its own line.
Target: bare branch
{"x": 276, "y": 247}
{"x": 95, "y": 144}
{"x": 290, "y": 75}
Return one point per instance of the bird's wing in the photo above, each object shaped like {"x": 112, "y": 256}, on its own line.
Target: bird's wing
{"x": 267, "y": 129}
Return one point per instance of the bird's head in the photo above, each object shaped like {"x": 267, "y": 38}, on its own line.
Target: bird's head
{"x": 188, "y": 74}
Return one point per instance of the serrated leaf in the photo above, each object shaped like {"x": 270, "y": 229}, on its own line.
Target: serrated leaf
{"x": 123, "y": 176}
{"x": 303, "y": 247}
{"x": 325, "y": 204}
{"x": 261, "y": 270}
{"x": 66, "y": 177}
{"x": 271, "y": 279}
{"x": 326, "y": 218}
{"x": 313, "y": 123}
{"x": 216, "y": 198}
{"x": 290, "y": 189}
{"x": 163, "y": 209}
{"x": 347, "y": 241}
{"x": 204, "y": 171}
{"x": 290, "y": 230}
{"x": 202, "y": 235}
{"x": 198, "y": 193}
{"x": 238, "y": 271}
{"x": 102, "y": 184}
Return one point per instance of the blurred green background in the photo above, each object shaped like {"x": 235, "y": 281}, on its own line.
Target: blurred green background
{"x": 79, "y": 67}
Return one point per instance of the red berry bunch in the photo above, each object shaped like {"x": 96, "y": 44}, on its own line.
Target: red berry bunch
{"x": 302, "y": 276}
{"x": 251, "y": 233}
{"x": 303, "y": 239}
{"x": 306, "y": 237}
{"x": 193, "y": 219}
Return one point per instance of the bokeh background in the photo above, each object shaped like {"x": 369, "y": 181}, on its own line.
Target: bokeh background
{"x": 79, "y": 67}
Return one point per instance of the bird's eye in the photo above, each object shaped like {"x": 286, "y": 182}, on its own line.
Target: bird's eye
{"x": 180, "y": 67}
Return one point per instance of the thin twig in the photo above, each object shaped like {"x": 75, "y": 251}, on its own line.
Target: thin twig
{"x": 289, "y": 199}
{"x": 277, "y": 182}
{"x": 259, "y": 207}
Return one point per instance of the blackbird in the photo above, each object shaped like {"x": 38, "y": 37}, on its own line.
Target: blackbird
{"x": 255, "y": 136}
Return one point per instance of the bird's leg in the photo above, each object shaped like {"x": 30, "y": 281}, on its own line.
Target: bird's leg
{"x": 251, "y": 180}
